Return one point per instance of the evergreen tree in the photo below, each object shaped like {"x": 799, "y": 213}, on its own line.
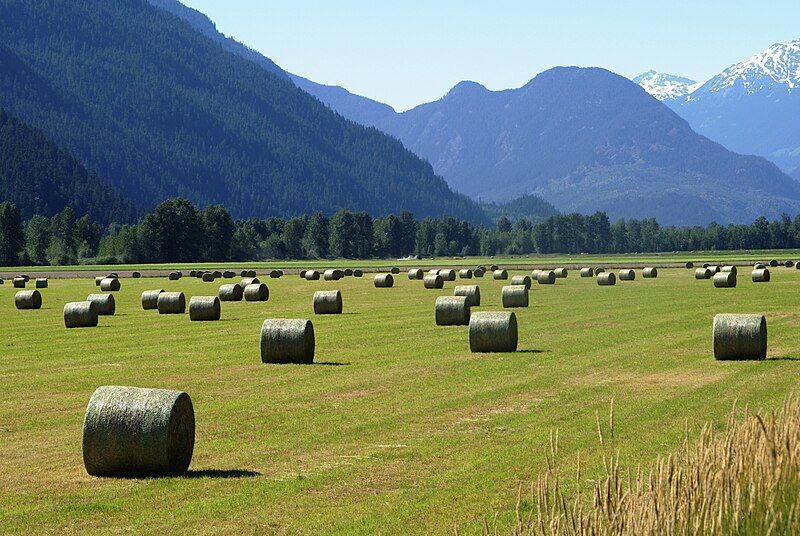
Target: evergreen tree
{"x": 12, "y": 238}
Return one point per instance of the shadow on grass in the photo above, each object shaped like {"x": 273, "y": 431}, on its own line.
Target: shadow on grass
{"x": 331, "y": 363}
{"x": 532, "y": 351}
{"x": 783, "y": 358}
{"x": 221, "y": 473}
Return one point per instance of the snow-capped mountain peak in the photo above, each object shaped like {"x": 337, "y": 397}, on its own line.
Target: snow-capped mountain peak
{"x": 777, "y": 66}
{"x": 665, "y": 87}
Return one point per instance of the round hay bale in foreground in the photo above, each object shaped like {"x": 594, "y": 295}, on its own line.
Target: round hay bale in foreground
{"x": 433, "y": 281}
{"x": 587, "y": 272}
{"x": 204, "y": 308}
{"x": 546, "y": 277}
{"x": 249, "y": 281}
{"x": 560, "y": 273}
{"x": 627, "y": 275}
{"x": 41, "y": 282}
{"x": 312, "y": 275}
{"x": 760, "y": 276}
{"x": 729, "y": 269}
{"x": 500, "y": 275}
{"x": 331, "y": 275}
{"x": 650, "y": 272}
{"x": 471, "y": 292}
{"x": 521, "y": 280}
{"x": 702, "y": 273}
{"x": 105, "y": 303}
{"x": 415, "y": 273}
{"x": 466, "y": 273}
{"x": 606, "y": 279}
{"x": 395, "y": 270}
{"x": 515, "y": 296}
{"x": 479, "y": 272}
{"x": 739, "y": 336}
{"x": 689, "y": 265}
{"x": 327, "y": 302}
{"x": 80, "y": 315}
{"x": 98, "y": 280}
{"x": 174, "y": 276}
{"x": 28, "y": 299}
{"x": 773, "y": 263}
{"x": 287, "y": 341}
{"x": 384, "y": 281}
{"x": 18, "y": 282}
{"x": 725, "y": 280}
{"x": 493, "y": 332}
{"x": 110, "y": 284}
{"x": 136, "y": 275}
{"x": 171, "y": 303}
{"x": 231, "y": 292}
{"x": 448, "y": 274}
{"x": 452, "y": 311}
{"x": 358, "y": 273}
{"x": 135, "y": 432}
{"x": 256, "y": 292}
{"x": 150, "y": 299}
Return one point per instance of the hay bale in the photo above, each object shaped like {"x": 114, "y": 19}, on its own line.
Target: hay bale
{"x": 110, "y": 284}
{"x": 546, "y": 277}
{"x": 18, "y": 282}
{"x": 171, "y": 303}
{"x": 759, "y": 266}
{"x": 302, "y": 274}
{"x": 493, "y": 332}
{"x": 26, "y": 277}
{"x": 256, "y": 292}
{"x": 384, "y": 281}
{"x": 136, "y": 275}
{"x": 394, "y": 270}
{"x": 174, "y": 276}
{"x": 702, "y": 273}
{"x": 105, "y": 303}
{"x": 587, "y": 272}
{"x": 788, "y": 264}
{"x": 627, "y": 275}
{"x": 739, "y": 336}
{"x": 1, "y": 281}
{"x": 650, "y": 273}
{"x": 471, "y": 292}
{"x": 98, "y": 280}
{"x": 41, "y": 282}
{"x": 773, "y": 263}
{"x": 499, "y": 275}
{"x": 327, "y": 302}
{"x": 80, "y": 315}
{"x": 521, "y": 280}
{"x": 535, "y": 274}
{"x": 204, "y": 309}
{"x": 560, "y": 273}
{"x": 217, "y": 274}
{"x": 231, "y": 292}
{"x": 515, "y": 296}
{"x": 433, "y": 281}
{"x": 448, "y": 274}
{"x": 689, "y": 265}
{"x": 606, "y": 279}
{"x": 706, "y": 265}
{"x": 760, "y": 276}
{"x": 28, "y": 299}
{"x": 348, "y": 272}
{"x": 466, "y": 273}
{"x": 415, "y": 273}
{"x": 150, "y": 299}
{"x": 134, "y": 432}
{"x": 275, "y": 274}
{"x": 287, "y": 341}
{"x": 225, "y": 275}
{"x": 724, "y": 280}
{"x": 433, "y": 271}
{"x": 249, "y": 281}
{"x": 494, "y": 268}
{"x": 479, "y": 272}
{"x": 729, "y": 269}
{"x": 312, "y": 275}
{"x": 599, "y": 270}
{"x": 331, "y": 275}
{"x": 452, "y": 311}
{"x": 358, "y": 273}
{"x": 115, "y": 275}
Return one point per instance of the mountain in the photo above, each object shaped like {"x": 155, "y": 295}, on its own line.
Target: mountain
{"x": 42, "y": 179}
{"x": 665, "y": 87}
{"x": 529, "y": 207}
{"x": 796, "y": 174}
{"x": 159, "y": 110}
{"x": 753, "y": 107}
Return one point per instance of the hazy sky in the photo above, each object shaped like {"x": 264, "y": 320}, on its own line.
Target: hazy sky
{"x": 405, "y": 53}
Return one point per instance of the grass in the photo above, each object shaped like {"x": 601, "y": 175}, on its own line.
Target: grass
{"x": 397, "y": 429}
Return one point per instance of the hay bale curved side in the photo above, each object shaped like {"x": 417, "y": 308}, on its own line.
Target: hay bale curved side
{"x": 493, "y": 332}
{"x": 28, "y": 299}
{"x": 521, "y": 280}
{"x": 18, "y": 282}
{"x": 546, "y": 277}
{"x": 41, "y": 282}
{"x": 204, "y": 308}
{"x": 561, "y": 273}
{"x": 287, "y": 341}
{"x": 471, "y": 292}
{"x": 384, "y": 281}
{"x": 415, "y": 273}
{"x": 587, "y": 272}
{"x": 627, "y": 275}
{"x": 702, "y": 273}
{"x": 499, "y": 275}
{"x": 171, "y": 303}
{"x": 729, "y": 269}
{"x": 230, "y": 292}
{"x": 761, "y": 276}
{"x": 515, "y": 296}
{"x": 452, "y": 311}
{"x": 466, "y": 273}
{"x": 725, "y": 280}
{"x": 448, "y": 274}
{"x": 80, "y": 315}
{"x": 110, "y": 284}
{"x": 312, "y": 275}
{"x": 256, "y": 292}
{"x": 105, "y": 303}
{"x": 650, "y": 272}
{"x": 150, "y": 299}
{"x": 606, "y": 279}
{"x": 249, "y": 281}
{"x": 433, "y": 281}
{"x": 327, "y": 302}
{"x": 739, "y": 336}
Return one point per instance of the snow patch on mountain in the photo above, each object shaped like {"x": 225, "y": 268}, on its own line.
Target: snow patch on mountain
{"x": 666, "y": 87}
{"x": 776, "y": 67}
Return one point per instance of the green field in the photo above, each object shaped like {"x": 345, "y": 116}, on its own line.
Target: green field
{"x": 398, "y": 428}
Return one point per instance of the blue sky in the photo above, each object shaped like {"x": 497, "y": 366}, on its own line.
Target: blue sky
{"x": 410, "y": 52}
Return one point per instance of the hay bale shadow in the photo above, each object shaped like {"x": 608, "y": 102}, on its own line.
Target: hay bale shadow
{"x": 220, "y": 473}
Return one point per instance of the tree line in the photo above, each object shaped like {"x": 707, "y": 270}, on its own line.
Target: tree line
{"x": 178, "y": 231}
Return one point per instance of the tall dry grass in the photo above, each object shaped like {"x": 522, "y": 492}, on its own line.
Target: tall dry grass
{"x": 743, "y": 480}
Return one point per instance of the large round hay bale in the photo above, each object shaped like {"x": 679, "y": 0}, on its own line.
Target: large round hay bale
{"x": 433, "y": 281}
{"x": 171, "y": 303}
{"x": 249, "y": 281}
{"x": 251, "y": 273}
{"x": 80, "y": 315}
{"x": 41, "y": 282}
{"x": 627, "y": 275}
{"x": 231, "y": 292}
{"x": 452, "y": 311}
{"x": 110, "y": 284}
{"x": 312, "y": 275}
{"x": 689, "y": 265}
{"x": 761, "y": 276}
{"x": 481, "y": 267}
{"x": 98, "y": 280}
{"x": 358, "y": 273}
{"x": 515, "y": 296}
{"x": 150, "y": 299}
{"x": 433, "y": 271}
{"x": 535, "y": 274}
{"x": 561, "y": 273}
{"x": 702, "y": 273}
{"x": 348, "y": 272}
{"x": 134, "y": 432}
{"x": 204, "y": 308}
{"x": 207, "y": 277}
{"x": 331, "y": 275}
{"x": 136, "y": 275}
{"x": 174, "y": 276}
{"x": 606, "y": 279}
{"x": 384, "y": 281}
{"x": 256, "y": 292}
{"x": 724, "y": 280}
{"x": 587, "y": 272}
{"x": 788, "y": 264}
{"x": 479, "y": 272}
{"x": 521, "y": 280}
{"x": 546, "y": 277}
{"x": 493, "y": 332}
{"x": 287, "y": 341}
{"x": 448, "y": 274}
{"x": 415, "y": 273}
{"x": 471, "y": 292}
{"x": 500, "y": 275}
{"x": 227, "y": 274}
{"x": 327, "y": 302}
{"x": 275, "y": 274}
{"x": 773, "y": 263}
{"x": 105, "y": 303}
{"x": 395, "y": 270}
{"x": 217, "y": 274}
{"x": 18, "y": 282}
{"x": 650, "y": 272}
{"x": 465, "y": 273}
{"x": 28, "y": 299}
{"x": 740, "y": 336}
{"x": 729, "y": 268}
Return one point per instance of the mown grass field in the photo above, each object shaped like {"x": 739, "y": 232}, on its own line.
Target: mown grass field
{"x": 397, "y": 428}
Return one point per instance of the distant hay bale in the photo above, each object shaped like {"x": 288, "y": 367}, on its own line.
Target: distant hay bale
{"x": 499, "y": 275}
{"x": 706, "y": 265}
{"x": 204, "y": 309}
{"x": 384, "y": 281}
{"x": 494, "y": 268}
{"x": 481, "y": 267}
{"x": 650, "y": 272}
{"x": 348, "y": 272}
{"x": 493, "y": 332}
{"x": 587, "y": 272}
{"x": 174, "y": 276}
{"x": 287, "y": 341}
{"x": 724, "y": 280}
{"x": 312, "y": 275}
{"x": 773, "y": 263}
{"x": 227, "y": 274}
{"x": 760, "y": 276}
{"x": 251, "y": 273}
{"x": 606, "y": 279}
{"x": 80, "y": 315}
{"x": 599, "y": 270}
{"x": 331, "y": 275}
{"x": 739, "y": 336}
{"x": 171, "y": 303}
{"x": 98, "y": 280}
{"x": 256, "y": 292}
{"x": 415, "y": 273}
{"x": 41, "y": 282}
{"x": 560, "y": 273}
{"x": 105, "y": 303}
{"x": 521, "y": 280}
{"x": 515, "y": 296}
{"x": 788, "y": 264}
{"x": 471, "y": 292}
{"x": 433, "y": 281}
{"x": 231, "y": 292}
{"x": 249, "y": 281}
{"x": 275, "y": 274}
{"x": 18, "y": 282}
{"x": 136, "y": 275}
{"x": 759, "y": 266}
{"x": 627, "y": 275}
{"x": 110, "y": 285}
{"x": 28, "y": 299}
{"x": 535, "y": 274}
{"x": 479, "y": 272}
{"x": 26, "y": 277}
{"x": 134, "y": 432}
{"x": 208, "y": 277}
{"x": 546, "y": 277}
{"x": 465, "y": 273}
{"x": 327, "y": 302}
{"x": 243, "y": 273}
{"x": 433, "y": 271}
{"x": 702, "y": 273}
{"x": 303, "y": 274}
{"x": 217, "y": 274}
{"x": 358, "y": 273}
{"x": 448, "y": 274}
{"x": 114, "y": 275}
{"x": 395, "y": 270}
{"x": 452, "y": 311}
{"x": 729, "y": 269}
{"x": 150, "y": 299}
{"x": 689, "y": 265}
